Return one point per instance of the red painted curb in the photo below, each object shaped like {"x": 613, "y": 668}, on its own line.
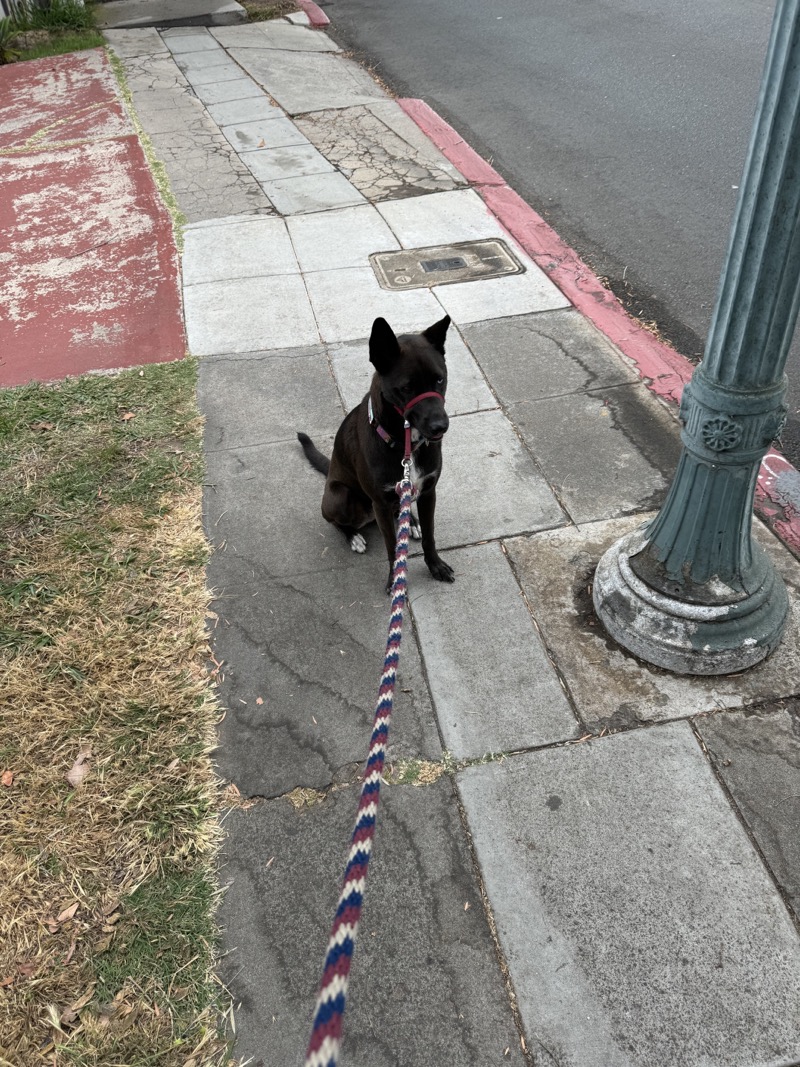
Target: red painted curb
{"x": 664, "y": 371}
{"x": 474, "y": 167}
{"x": 316, "y": 15}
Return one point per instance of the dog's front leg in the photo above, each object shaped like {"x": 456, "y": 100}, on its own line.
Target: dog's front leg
{"x": 384, "y": 516}
{"x": 426, "y": 506}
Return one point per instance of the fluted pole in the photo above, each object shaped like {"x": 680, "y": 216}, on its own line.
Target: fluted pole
{"x": 692, "y": 591}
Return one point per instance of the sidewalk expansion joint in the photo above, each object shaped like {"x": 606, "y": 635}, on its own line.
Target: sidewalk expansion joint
{"x": 505, "y": 973}
{"x": 793, "y": 915}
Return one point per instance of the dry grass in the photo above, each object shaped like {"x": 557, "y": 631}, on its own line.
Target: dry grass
{"x": 106, "y": 721}
{"x": 264, "y": 10}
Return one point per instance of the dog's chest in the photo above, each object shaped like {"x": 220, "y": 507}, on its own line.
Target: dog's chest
{"x": 419, "y": 477}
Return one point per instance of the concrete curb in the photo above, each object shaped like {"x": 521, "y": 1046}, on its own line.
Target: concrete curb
{"x": 663, "y": 370}
{"x": 316, "y": 16}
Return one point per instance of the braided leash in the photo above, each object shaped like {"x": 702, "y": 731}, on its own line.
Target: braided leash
{"x": 323, "y": 1047}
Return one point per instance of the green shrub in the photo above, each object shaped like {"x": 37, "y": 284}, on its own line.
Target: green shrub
{"x": 8, "y": 31}
{"x": 58, "y": 14}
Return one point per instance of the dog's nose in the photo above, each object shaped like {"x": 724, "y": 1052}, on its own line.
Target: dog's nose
{"x": 439, "y": 424}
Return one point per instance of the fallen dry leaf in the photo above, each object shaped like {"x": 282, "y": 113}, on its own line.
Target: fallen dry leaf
{"x": 6, "y": 981}
{"x": 259, "y": 700}
{"x": 261, "y": 143}
{"x": 25, "y": 970}
{"x": 7, "y": 778}
{"x": 81, "y": 1002}
{"x": 43, "y": 426}
{"x": 67, "y": 913}
{"x": 68, "y": 956}
{"x": 128, "y": 416}
{"x": 80, "y": 768}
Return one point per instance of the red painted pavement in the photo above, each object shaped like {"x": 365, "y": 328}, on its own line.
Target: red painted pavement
{"x": 88, "y": 265}
{"x": 663, "y": 369}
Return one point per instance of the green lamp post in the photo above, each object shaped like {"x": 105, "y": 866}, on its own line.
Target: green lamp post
{"x": 691, "y": 591}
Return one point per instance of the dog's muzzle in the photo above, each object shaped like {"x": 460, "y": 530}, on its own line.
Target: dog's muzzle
{"x": 437, "y": 427}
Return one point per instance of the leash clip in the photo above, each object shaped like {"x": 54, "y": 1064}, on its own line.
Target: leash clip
{"x": 406, "y": 480}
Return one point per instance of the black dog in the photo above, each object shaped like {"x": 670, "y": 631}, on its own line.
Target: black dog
{"x": 367, "y": 462}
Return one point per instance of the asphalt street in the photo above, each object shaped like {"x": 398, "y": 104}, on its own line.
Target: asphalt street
{"x": 624, "y": 124}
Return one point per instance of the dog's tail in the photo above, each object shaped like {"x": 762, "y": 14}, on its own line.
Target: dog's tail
{"x": 313, "y": 455}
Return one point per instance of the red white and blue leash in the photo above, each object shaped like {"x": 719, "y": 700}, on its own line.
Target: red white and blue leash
{"x": 326, "y": 1033}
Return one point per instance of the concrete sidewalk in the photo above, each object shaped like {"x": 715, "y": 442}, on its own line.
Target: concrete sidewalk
{"x": 581, "y": 861}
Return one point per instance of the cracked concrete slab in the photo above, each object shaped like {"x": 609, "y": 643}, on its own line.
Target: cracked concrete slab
{"x": 131, "y": 13}
{"x": 217, "y": 92}
{"x": 518, "y": 294}
{"x": 347, "y": 237}
{"x": 757, "y": 755}
{"x": 237, "y": 248}
{"x": 490, "y": 487}
{"x": 312, "y": 192}
{"x": 424, "y": 945}
{"x": 607, "y": 453}
{"x": 252, "y": 109}
{"x": 128, "y": 44}
{"x": 530, "y": 357}
{"x": 381, "y": 150}
{"x": 346, "y": 303}
{"x": 272, "y": 131}
{"x": 275, "y": 34}
{"x": 267, "y": 398}
{"x": 248, "y": 315}
{"x": 302, "y": 82}
{"x": 255, "y": 495}
{"x": 638, "y": 923}
{"x": 310, "y": 648}
{"x": 609, "y": 686}
{"x": 442, "y": 218}
{"x": 206, "y": 176}
{"x": 189, "y": 40}
{"x": 291, "y": 161}
{"x": 508, "y": 697}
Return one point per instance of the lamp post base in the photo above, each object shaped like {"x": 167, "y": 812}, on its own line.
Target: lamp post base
{"x": 720, "y": 637}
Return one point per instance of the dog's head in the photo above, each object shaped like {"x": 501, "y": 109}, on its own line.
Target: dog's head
{"x": 409, "y": 366}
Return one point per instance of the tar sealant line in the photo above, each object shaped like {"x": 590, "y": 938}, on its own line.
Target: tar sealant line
{"x": 316, "y": 16}
{"x": 664, "y": 370}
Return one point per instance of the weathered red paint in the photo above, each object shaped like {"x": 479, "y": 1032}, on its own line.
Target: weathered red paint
{"x": 664, "y": 370}
{"x": 88, "y": 266}
{"x": 316, "y": 15}
{"x": 474, "y": 167}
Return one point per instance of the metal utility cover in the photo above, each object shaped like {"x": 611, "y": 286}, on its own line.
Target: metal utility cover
{"x": 469, "y": 261}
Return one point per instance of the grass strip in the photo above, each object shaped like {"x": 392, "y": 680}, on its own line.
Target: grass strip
{"x": 107, "y": 794}
{"x": 55, "y": 43}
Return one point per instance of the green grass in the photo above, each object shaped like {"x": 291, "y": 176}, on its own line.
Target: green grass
{"x": 60, "y": 42}
{"x": 102, "y": 606}
{"x": 264, "y": 10}
{"x": 58, "y": 14}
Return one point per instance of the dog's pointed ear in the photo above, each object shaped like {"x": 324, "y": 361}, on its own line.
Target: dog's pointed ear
{"x": 384, "y": 350}
{"x": 436, "y": 333}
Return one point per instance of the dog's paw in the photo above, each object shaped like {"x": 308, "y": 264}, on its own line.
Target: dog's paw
{"x": 441, "y": 571}
{"x": 357, "y": 543}
{"x": 414, "y": 528}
